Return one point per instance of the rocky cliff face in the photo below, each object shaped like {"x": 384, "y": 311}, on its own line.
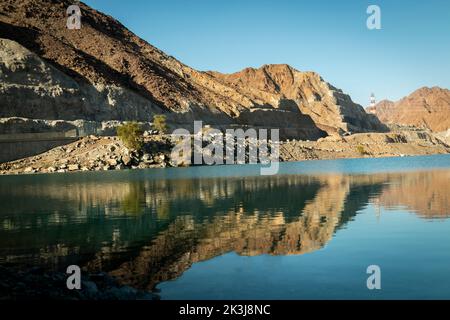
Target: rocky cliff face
{"x": 382, "y": 109}
{"x": 34, "y": 88}
{"x": 426, "y": 107}
{"x": 281, "y": 86}
{"x": 105, "y": 72}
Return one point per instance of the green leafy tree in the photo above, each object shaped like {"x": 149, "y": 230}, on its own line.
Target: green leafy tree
{"x": 360, "y": 149}
{"x": 160, "y": 123}
{"x": 131, "y": 135}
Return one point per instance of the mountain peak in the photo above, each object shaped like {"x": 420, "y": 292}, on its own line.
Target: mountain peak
{"x": 426, "y": 91}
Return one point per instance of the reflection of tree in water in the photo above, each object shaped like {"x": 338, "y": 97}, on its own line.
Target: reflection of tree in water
{"x": 248, "y": 230}
{"x": 134, "y": 200}
{"x": 163, "y": 211}
{"x": 145, "y": 231}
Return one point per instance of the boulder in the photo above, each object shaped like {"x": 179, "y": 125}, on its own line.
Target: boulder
{"x": 73, "y": 167}
{"x": 112, "y": 162}
{"x": 126, "y": 159}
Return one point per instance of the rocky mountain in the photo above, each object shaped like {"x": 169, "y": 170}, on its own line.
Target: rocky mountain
{"x": 426, "y": 108}
{"x": 382, "y": 109}
{"x": 105, "y": 72}
{"x": 329, "y": 107}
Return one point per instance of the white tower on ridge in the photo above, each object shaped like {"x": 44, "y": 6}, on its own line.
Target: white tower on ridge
{"x": 372, "y": 100}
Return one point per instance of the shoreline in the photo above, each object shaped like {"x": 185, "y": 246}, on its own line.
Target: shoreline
{"x": 96, "y": 154}
{"x": 222, "y": 165}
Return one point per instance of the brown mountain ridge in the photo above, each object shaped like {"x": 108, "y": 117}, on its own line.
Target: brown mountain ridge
{"x": 105, "y": 72}
{"x": 427, "y": 108}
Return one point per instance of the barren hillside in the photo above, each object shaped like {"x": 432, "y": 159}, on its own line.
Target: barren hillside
{"x": 105, "y": 72}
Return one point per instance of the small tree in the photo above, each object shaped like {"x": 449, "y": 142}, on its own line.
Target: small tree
{"x": 360, "y": 149}
{"x": 159, "y": 123}
{"x": 131, "y": 135}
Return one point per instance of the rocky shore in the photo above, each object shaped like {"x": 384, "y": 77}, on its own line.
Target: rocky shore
{"x": 109, "y": 153}
{"x": 94, "y": 154}
{"x": 38, "y": 284}
{"x": 366, "y": 145}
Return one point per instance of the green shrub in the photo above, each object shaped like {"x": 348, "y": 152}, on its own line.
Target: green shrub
{"x": 159, "y": 123}
{"x": 131, "y": 135}
{"x": 360, "y": 149}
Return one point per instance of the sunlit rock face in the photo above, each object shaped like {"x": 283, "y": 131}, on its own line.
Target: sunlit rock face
{"x": 424, "y": 108}
{"x": 281, "y": 85}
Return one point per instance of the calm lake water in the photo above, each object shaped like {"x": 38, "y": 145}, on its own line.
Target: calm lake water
{"x": 225, "y": 232}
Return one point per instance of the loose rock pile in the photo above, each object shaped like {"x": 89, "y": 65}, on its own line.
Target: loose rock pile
{"x": 94, "y": 154}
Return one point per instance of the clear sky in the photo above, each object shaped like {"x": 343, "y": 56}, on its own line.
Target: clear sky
{"x": 327, "y": 36}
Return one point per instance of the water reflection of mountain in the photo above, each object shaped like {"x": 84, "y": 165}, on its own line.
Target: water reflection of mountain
{"x": 303, "y": 222}
{"x": 147, "y": 231}
{"x": 425, "y": 193}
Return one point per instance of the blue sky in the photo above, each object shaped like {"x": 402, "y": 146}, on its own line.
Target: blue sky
{"x": 330, "y": 37}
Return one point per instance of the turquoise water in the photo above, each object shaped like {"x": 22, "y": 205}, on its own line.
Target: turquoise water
{"x": 227, "y": 233}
